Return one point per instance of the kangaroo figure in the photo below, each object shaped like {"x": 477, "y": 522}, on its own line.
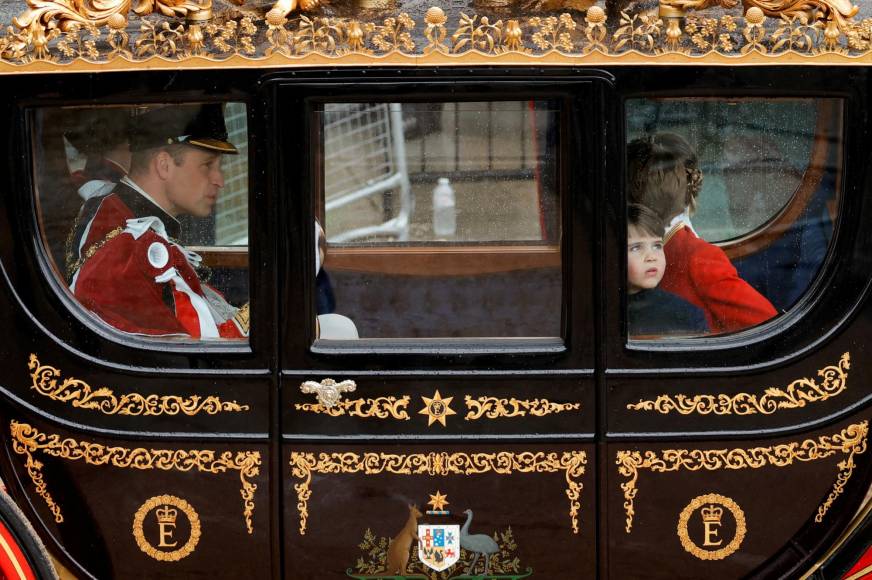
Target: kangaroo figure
{"x": 398, "y": 549}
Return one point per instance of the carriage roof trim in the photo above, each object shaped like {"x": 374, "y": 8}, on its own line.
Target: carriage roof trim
{"x": 50, "y": 36}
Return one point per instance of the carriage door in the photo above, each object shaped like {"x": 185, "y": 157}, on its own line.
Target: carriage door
{"x": 437, "y": 397}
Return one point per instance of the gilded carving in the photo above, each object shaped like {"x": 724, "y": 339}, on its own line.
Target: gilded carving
{"x": 27, "y": 440}
{"x": 379, "y": 408}
{"x": 796, "y": 395}
{"x": 166, "y": 517}
{"x": 494, "y": 407}
{"x": 712, "y": 516}
{"x": 849, "y": 442}
{"x": 571, "y": 463}
{"x": 822, "y": 30}
{"x": 45, "y": 381}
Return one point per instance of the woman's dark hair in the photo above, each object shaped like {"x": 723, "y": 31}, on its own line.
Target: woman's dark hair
{"x": 644, "y": 220}
{"x": 663, "y": 174}
{"x": 95, "y": 131}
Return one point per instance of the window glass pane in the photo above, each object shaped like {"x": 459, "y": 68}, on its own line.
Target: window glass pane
{"x": 440, "y": 220}
{"x": 134, "y": 204}
{"x": 732, "y": 206}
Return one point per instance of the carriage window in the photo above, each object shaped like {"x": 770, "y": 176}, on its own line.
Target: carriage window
{"x": 438, "y": 220}
{"x": 731, "y": 207}
{"x": 144, "y": 211}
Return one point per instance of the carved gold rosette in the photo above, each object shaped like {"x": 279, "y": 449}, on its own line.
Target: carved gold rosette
{"x": 378, "y": 408}
{"x": 80, "y": 395}
{"x": 494, "y": 407}
{"x": 572, "y": 463}
{"x": 27, "y": 440}
{"x": 767, "y": 32}
{"x": 850, "y": 441}
{"x": 795, "y": 396}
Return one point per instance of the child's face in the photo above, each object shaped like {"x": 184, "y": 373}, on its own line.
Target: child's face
{"x": 646, "y": 261}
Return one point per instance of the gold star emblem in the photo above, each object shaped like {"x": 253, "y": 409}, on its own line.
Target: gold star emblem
{"x": 438, "y": 502}
{"x": 436, "y": 409}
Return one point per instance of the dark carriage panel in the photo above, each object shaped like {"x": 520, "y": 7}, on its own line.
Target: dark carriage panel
{"x": 525, "y": 497}
{"x": 170, "y": 507}
{"x": 732, "y": 508}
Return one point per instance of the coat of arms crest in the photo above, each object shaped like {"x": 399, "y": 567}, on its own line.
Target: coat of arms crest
{"x": 438, "y": 545}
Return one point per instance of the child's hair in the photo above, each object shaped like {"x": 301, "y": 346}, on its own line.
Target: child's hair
{"x": 663, "y": 174}
{"x": 644, "y": 220}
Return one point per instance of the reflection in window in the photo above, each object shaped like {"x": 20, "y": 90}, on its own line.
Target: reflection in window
{"x": 441, "y": 219}
{"x": 746, "y": 193}
{"x": 122, "y": 189}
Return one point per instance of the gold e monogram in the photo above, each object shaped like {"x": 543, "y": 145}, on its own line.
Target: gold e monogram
{"x": 711, "y": 514}
{"x": 166, "y": 510}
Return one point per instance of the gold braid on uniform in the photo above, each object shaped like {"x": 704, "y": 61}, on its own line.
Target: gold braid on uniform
{"x": 242, "y": 317}
{"x": 89, "y": 253}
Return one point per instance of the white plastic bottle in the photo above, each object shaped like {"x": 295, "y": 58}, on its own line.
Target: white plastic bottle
{"x": 444, "y": 210}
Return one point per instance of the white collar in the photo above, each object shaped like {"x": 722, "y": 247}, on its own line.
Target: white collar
{"x": 132, "y": 185}
{"x": 682, "y": 219}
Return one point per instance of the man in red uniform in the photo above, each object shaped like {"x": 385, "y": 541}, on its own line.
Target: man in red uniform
{"x": 126, "y": 265}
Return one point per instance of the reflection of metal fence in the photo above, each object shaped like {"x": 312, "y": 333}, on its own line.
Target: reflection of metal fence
{"x": 365, "y": 152}
{"x": 231, "y": 212}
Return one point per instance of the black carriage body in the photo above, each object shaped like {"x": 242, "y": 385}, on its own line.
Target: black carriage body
{"x": 276, "y": 491}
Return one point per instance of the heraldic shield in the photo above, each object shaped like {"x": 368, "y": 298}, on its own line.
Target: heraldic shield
{"x": 439, "y": 545}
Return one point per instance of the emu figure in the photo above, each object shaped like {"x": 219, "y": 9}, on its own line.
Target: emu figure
{"x": 478, "y": 544}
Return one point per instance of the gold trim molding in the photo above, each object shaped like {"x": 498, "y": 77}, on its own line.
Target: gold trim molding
{"x": 698, "y": 502}
{"x": 139, "y": 534}
{"x": 572, "y": 463}
{"x": 850, "y": 441}
{"x": 246, "y": 40}
{"x": 378, "y": 408}
{"x": 27, "y": 440}
{"x": 80, "y": 395}
{"x": 495, "y": 407}
{"x": 834, "y": 381}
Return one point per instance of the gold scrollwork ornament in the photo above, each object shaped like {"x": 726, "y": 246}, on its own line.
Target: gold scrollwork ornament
{"x": 796, "y": 395}
{"x": 711, "y": 515}
{"x": 166, "y": 518}
{"x": 46, "y": 381}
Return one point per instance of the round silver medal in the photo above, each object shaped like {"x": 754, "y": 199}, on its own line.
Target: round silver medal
{"x": 158, "y": 255}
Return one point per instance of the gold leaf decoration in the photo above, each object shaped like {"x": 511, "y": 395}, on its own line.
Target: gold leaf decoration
{"x": 27, "y": 440}
{"x": 61, "y": 32}
{"x": 380, "y": 408}
{"x": 572, "y": 463}
{"x": 477, "y": 34}
{"x": 796, "y": 395}
{"x": 850, "y": 442}
{"x": 494, "y": 407}
{"x": 79, "y": 394}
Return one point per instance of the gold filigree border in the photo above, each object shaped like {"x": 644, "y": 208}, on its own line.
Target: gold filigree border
{"x": 378, "y": 408}
{"x": 795, "y": 396}
{"x": 27, "y": 440}
{"x": 850, "y": 441}
{"x": 249, "y": 41}
{"x": 80, "y": 395}
{"x": 495, "y": 407}
{"x": 187, "y": 549}
{"x": 572, "y": 463}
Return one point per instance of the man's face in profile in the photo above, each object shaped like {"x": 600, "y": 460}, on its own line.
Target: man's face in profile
{"x": 192, "y": 186}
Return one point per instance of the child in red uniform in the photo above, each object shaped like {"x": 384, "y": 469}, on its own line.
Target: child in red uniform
{"x": 664, "y": 176}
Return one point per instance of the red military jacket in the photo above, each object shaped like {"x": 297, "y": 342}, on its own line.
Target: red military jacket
{"x": 702, "y": 274}
{"x": 130, "y": 272}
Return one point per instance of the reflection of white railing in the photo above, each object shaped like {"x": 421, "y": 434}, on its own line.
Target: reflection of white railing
{"x": 365, "y": 155}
